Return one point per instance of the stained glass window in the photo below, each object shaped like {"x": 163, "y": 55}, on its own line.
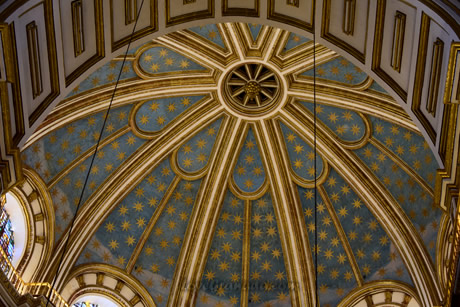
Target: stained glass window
{"x": 6, "y": 234}
{"x": 85, "y": 304}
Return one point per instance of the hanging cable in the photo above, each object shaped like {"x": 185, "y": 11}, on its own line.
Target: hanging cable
{"x": 94, "y": 154}
{"x": 315, "y": 167}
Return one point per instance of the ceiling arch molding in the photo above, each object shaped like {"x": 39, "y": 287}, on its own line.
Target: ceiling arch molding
{"x": 28, "y": 114}
{"x": 39, "y": 223}
{"x": 399, "y": 71}
{"x": 185, "y": 288}
{"x": 325, "y": 36}
{"x": 284, "y": 208}
{"x": 382, "y": 294}
{"x": 446, "y": 240}
{"x": 391, "y": 213}
{"x": 100, "y": 204}
{"x": 107, "y": 281}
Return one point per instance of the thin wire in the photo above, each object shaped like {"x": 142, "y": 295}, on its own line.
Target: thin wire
{"x": 314, "y": 150}
{"x": 94, "y": 154}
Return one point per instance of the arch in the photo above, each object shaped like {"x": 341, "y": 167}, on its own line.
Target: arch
{"x": 15, "y": 209}
{"x": 367, "y": 63}
{"x": 369, "y": 57}
{"x": 97, "y": 200}
{"x": 96, "y": 298}
{"x": 446, "y": 249}
{"x": 382, "y": 293}
{"x": 35, "y": 205}
{"x": 107, "y": 281}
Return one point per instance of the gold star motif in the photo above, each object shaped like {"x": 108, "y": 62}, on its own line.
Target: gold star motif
{"x": 184, "y": 64}
{"x": 163, "y": 52}
{"x": 109, "y": 227}
{"x": 130, "y": 240}
{"x": 241, "y": 170}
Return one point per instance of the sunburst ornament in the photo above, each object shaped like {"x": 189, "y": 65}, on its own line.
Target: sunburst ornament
{"x": 252, "y": 88}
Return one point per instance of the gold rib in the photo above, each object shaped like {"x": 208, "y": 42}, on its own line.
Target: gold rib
{"x": 246, "y": 254}
{"x": 90, "y": 151}
{"x": 403, "y": 165}
{"x": 153, "y": 220}
{"x": 342, "y": 235}
{"x": 239, "y": 74}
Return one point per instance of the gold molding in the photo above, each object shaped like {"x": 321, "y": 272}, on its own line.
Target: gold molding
{"x": 5, "y": 168}
{"x": 383, "y": 106}
{"x": 188, "y": 39}
{"x": 209, "y": 45}
{"x": 12, "y": 75}
{"x": 97, "y": 290}
{"x": 360, "y": 56}
{"x": 435, "y": 76}
{"x": 209, "y": 100}
{"x": 187, "y": 277}
{"x": 207, "y": 13}
{"x": 152, "y": 222}
{"x": 398, "y": 40}
{"x": 420, "y": 76}
{"x": 100, "y": 46}
{"x": 232, "y": 185}
{"x": 235, "y": 11}
{"x": 411, "y": 247}
{"x": 253, "y": 48}
{"x": 352, "y": 145}
{"x": 454, "y": 61}
{"x": 295, "y": 206}
{"x": 293, "y": 2}
{"x": 104, "y": 270}
{"x": 446, "y": 16}
{"x": 151, "y": 28}
{"x": 130, "y": 11}
{"x": 190, "y": 176}
{"x": 403, "y": 165}
{"x": 35, "y": 68}
{"x": 300, "y": 289}
{"x": 53, "y": 65}
{"x": 455, "y": 258}
{"x": 245, "y": 195}
{"x": 349, "y": 14}
{"x": 376, "y": 287}
{"x": 97, "y": 204}
{"x": 452, "y": 6}
{"x": 445, "y": 249}
{"x": 377, "y": 52}
{"x": 302, "y": 53}
{"x": 448, "y": 129}
{"x": 445, "y": 183}
{"x": 10, "y": 141}
{"x": 342, "y": 235}
{"x": 146, "y": 75}
{"x": 93, "y": 103}
{"x": 298, "y": 77}
{"x": 273, "y": 15}
{"x": 296, "y": 178}
{"x": 46, "y": 207}
{"x": 78, "y": 27}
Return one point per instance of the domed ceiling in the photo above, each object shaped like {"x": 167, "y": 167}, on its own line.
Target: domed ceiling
{"x": 208, "y": 152}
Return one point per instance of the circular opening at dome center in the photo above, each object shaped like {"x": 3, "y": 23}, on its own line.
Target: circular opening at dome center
{"x": 252, "y": 89}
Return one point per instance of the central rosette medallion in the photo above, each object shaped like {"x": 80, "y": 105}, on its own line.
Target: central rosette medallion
{"x": 252, "y": 89}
